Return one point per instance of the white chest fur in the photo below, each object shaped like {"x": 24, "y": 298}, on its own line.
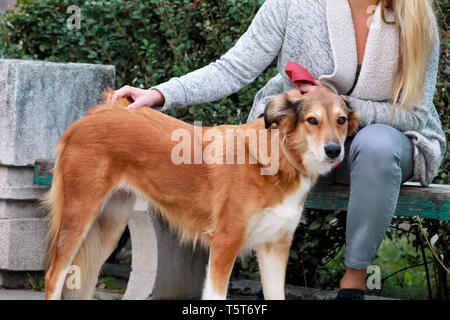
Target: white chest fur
{"x": 278, "y": 221}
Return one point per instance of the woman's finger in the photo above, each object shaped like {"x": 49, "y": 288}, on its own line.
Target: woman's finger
{"x": 133, "y": 106}
{"x": 143, "y": 100}
{"x": 125, "y": 91}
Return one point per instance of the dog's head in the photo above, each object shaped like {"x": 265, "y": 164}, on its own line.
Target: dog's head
{"x": 313, "y": 127}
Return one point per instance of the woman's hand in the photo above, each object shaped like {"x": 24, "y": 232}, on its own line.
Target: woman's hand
{"x": 305, "y": 88}
{"x": 140, "y": 97}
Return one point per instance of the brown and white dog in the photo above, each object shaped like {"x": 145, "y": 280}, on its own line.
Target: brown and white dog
{"x": 113, "y": 154}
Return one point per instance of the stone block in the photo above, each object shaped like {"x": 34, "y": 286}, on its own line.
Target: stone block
{"x": 38, "y": 102}
{"x": 14, "y": 176}
{"x": 16, "y": 183}
{"x": 23, "y": 244}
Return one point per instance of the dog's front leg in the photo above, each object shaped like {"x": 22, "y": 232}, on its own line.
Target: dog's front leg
{"x": 224, "y": 249}
{"x": 272, "y": 260}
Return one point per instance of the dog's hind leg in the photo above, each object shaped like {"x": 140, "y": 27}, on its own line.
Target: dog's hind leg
{"x": 100, "y": 242}
{"x": 227, "y": 241}
{"x": 72, "y": 230}
{"x": 272, "y": 261}
{"x": 75, "y": 204}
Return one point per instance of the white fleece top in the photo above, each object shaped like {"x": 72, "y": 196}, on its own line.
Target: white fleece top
{"x": 320, "y": 36}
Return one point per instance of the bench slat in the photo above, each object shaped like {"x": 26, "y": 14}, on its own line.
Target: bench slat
{"x": 427, "y": 202}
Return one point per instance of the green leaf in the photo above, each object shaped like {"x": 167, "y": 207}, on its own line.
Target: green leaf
{"x": 407, "y": 277}
{"x": 314, "y": 225}
{"x": 293, "y": 254}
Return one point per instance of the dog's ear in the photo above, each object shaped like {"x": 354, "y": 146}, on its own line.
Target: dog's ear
{"x": 353, "y": 117}
{"x": 282, "y": 106}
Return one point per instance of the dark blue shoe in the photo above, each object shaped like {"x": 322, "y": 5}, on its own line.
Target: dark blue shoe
{"x": 350, "y": 294}
{"x": 259, "y": 295}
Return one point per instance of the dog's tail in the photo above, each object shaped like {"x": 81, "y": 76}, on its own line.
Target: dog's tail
{"x": 53, "y": 201}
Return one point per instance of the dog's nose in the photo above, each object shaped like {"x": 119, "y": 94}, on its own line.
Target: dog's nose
{"x": 332, "y": 150}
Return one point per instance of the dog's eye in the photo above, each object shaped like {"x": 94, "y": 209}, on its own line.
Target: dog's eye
{"x": 312, "y": 121}
{"x": 342, "y": 120}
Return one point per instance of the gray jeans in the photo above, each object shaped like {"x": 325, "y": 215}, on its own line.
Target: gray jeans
{"x": 378, "y": 159}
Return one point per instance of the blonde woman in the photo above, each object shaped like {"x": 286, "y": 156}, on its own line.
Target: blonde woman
{"x": 383, "y": 56}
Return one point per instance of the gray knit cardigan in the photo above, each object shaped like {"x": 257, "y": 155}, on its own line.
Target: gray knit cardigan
{"x": 319, "y": 35}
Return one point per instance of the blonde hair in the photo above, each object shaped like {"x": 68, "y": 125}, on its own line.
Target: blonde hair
{"x": 417, "y": 24}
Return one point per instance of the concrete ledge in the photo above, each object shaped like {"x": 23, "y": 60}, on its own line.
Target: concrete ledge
{"x": 16, "y": 183}
{"x": 22, "y": 193}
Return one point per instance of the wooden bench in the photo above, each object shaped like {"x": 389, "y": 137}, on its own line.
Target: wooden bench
{"x": 414, "y": 200}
